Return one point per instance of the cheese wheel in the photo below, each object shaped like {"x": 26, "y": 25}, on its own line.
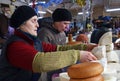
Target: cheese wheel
{"x": 99, "y": 52}
{"x": 95, "y": 78}
{"x": 85, "y": 70}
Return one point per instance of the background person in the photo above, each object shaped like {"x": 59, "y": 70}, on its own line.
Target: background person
{"x": 52, "y": 30}
{"x": 5, "y": 30}
{"x": 102, "y": 26}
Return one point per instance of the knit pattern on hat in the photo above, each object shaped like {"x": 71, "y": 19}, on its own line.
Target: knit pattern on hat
{"x": 20, "y": 15}
{"x": 61, "y": 14}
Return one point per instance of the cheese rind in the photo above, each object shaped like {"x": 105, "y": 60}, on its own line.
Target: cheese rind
{"x": 85, "y": 70}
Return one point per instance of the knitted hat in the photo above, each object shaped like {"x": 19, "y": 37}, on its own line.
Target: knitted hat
{"x": 20, "y": 15}
{"x": 61, "y": 14}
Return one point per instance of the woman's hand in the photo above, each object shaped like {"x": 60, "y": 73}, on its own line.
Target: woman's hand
{"x": 86, "y": 56}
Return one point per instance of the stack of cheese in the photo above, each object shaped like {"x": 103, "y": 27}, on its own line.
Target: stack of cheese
{"x": 99, "y": 52}
{"x": 88, "y": 71}
{"x": 106, "y": 40}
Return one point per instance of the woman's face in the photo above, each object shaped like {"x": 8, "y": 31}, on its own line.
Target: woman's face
{"x": 61, "y": 26}
{"x": 30, "y": 26}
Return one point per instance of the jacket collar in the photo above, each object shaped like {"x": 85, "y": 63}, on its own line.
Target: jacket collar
{"x": 27, "y": 37}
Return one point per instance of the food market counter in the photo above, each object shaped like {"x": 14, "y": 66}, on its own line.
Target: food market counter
{"x": 112, "y": 73}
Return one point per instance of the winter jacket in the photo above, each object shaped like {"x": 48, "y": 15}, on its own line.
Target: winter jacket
{"x": 49, "y": 34}
{"x": 20, "y": 59}
{"x": 97, "y": 34}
